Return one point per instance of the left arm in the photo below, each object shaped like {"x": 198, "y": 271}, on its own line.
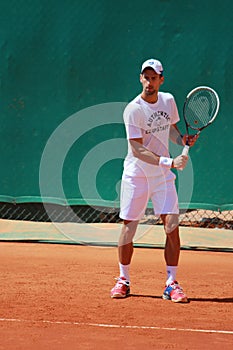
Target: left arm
{"x": 176, "y": 137}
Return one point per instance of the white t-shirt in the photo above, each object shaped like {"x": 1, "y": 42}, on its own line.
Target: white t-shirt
{"x": 151, "y": 122}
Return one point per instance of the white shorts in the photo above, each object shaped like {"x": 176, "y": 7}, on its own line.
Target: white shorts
{"x": 137, "y": 191}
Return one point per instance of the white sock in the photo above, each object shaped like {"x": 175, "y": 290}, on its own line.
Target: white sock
{"x": 124, "y": 271}
{"x": 171, "y": 274}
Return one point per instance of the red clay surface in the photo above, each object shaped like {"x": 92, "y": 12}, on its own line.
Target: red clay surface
{"x": 57, "y": 297}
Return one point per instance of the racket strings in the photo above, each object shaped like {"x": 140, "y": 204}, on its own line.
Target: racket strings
{"x": 200, "y": 108}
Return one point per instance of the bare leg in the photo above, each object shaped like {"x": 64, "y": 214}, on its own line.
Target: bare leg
{"x": 173, "y": 291}
{"x": 125, "y": 245}
{"x": 125, "y": 252}
{"x": 172, "y": 246}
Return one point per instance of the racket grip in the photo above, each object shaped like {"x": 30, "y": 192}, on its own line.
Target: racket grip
{"x": 185, "y": 150}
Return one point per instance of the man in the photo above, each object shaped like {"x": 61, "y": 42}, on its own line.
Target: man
{"x": 150, "y": 120}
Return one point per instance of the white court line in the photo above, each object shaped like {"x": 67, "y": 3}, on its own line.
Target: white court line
{"x": 117, "y": 326}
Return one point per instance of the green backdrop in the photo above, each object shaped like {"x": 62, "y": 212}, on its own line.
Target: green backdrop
{"x": 61, "y": 58}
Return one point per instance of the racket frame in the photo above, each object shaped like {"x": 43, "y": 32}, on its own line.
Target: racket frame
{"x": 186, "y": 147}
{"x": 215, "y": 113}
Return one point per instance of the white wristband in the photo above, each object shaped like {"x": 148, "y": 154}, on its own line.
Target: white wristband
{"x": 165, "y": 162}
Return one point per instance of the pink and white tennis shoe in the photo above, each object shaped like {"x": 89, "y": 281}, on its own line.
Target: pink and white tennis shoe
{"x": 175, "y": 293}
{"x": 121, "y": 289}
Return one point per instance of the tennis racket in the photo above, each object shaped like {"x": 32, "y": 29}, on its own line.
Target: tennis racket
{"x": 200, "y": 109}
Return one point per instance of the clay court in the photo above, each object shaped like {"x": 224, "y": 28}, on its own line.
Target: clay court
{"x": 68, "y": 70}
{"x": 56, "y": 296}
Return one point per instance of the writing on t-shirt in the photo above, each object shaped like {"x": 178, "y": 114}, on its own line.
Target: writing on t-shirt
{"x": 157, "y": 129}
{"x": 157, "y": 116}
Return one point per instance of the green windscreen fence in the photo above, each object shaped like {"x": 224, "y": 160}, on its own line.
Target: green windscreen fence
{"x": 68, "y": 69}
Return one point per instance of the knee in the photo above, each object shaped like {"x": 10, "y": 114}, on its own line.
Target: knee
{"x": 129, "y": 229}
{"x": 171, "y": 224}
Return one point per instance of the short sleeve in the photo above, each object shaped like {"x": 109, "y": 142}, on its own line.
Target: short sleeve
{"x": 133, "y": 121}
{"x": 174, "y": 112}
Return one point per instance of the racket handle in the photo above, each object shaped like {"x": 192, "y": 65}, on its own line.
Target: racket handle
{"x": 185, "y": 150}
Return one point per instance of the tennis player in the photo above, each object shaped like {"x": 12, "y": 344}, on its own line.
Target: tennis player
{"x": 150, "y": 121}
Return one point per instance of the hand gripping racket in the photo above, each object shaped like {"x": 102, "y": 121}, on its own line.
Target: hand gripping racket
{"x": 200, "y": 109}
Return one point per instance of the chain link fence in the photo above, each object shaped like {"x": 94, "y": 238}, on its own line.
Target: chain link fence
{"x": 40, "y": 212}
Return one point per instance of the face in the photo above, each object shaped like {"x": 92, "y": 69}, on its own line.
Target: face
{"x": 151, "y": 82}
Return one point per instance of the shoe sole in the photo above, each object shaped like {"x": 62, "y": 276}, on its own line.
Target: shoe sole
{"x": 182, "y": 300}
{"x": 118, "y": 296}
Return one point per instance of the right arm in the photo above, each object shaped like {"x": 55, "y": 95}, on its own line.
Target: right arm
{"x": 142, "y": 153}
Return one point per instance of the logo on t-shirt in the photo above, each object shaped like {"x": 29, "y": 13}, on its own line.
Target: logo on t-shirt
{"x": 158, "y": 121}
{"x": 158, "y": 117}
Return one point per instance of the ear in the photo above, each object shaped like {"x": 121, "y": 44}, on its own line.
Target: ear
{"x": 141, "y": 78}
{"x": 161, "y": 80}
